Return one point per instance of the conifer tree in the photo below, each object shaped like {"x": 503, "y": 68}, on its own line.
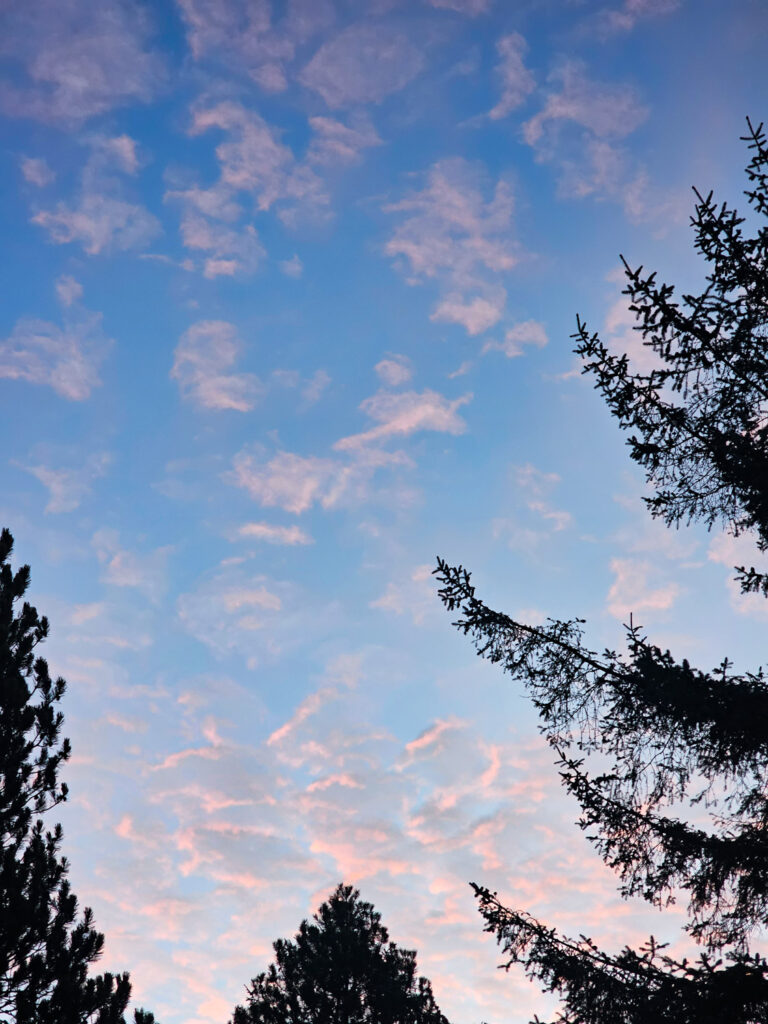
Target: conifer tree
{"x": 46, "y": 946}
{"x": 674, "y": 737}
{"x": 341, "y": 968}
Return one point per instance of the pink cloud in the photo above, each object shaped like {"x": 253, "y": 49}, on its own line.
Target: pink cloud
{"x": 405, "y": 412}
{"x": 363, "y": 64}
{"x": 334, "y": 142}
{"x": 78, "y": 63}
{"x": 99, "y": 223}
{"x": 606, "y": 110}
{"x": 124, "y": 568}
{"x": 517, "y": 82}
{"x": 68, "y": 487}
{"x": 451, "y": 233}
{"x": 290, "y": 481}
{"x": 394, "y": 371}
{"x": 529, "y": 332}
{"x": 36, "y": 171}
{"x": 245, "y": 33}
{"x": 633, "y": 592}
{"x": 253, "y": 160}
{"x": 205, "y": 352}
{"x": 66, "y": 359}
{"x": 68, "y": 290}
{"x": 273, "y": 534}
{"x": 470, "y": 7}
{"x": 414, "y": 596}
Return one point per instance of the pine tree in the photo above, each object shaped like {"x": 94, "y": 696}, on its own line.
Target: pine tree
{"x": 46, "y": 947}
{"x": 341, "y": 968}
{"x": 675, "y": 738}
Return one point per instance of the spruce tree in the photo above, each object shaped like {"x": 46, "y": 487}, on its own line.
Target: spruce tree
{"x": 46, "y": 946}
{"x": 669, "y": 738}
{"x": 341, "y": 968}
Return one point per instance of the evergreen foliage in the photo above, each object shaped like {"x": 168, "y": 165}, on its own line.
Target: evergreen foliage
{"x": 46, "y": 946}
{"x": 341, "y": 968}
{"x": 669, "y": 738}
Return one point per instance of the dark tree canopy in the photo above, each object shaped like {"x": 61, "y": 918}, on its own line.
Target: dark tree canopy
{"x": 678, "y": 801}
{"x": 46, "y": 946}
{"x": 340, "y": 968}
{"x": 700, "y": 421}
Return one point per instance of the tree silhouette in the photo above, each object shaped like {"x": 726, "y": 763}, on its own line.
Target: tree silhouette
{"x": 674, "y": 737}
{"x": 341, "y": 968}
{"x": 46, "y": 947}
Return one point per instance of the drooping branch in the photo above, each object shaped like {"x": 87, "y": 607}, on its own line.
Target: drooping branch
{"x": 642, "y": 986}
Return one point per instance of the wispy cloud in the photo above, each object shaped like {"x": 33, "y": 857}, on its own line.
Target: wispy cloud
{"x": 248, "y": 33}
{"x": 637, "y": 589}
{"x": 77, "y": 64}
{"x": 36, "y": 171}
{"x": 517, "y": 82}
{"x": 68, "y": 486}
{"x": 271, "y": 533}
{"x": 404, "y": 413}
{"x": 66, "y": 359}
{"x": 124, "y": 568}
{"x": 414, "y": 595}
{"x": 68, "y": 290}
{"x": 394, "y": 371}
{"x": 334, "y": 142}
{"x": 625, "y": 18}
{"x": 206, "y": 351}
{"x": 581, "y": 130}
{"x": 363, "y": 64}
{"x": 451, "y": 233}
{"x": 529, "y": 332}
{"x": 102, "y": 219}
{"x": 253, "y": 160}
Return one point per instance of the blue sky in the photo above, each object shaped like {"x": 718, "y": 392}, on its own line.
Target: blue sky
{"x": 287, "y": 293}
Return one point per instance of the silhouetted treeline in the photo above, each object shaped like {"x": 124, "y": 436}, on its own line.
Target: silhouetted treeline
{"x": 675, "y": 737}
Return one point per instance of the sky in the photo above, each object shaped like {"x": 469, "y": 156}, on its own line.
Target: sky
{"x": 286, "y": 298}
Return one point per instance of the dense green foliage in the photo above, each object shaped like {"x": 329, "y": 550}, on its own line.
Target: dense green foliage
{"x": 46, "y": 946}
{"x": 341, "y": 968}
{"x": 670, "y": 739}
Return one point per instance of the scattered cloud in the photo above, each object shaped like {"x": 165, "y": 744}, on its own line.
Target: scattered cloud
{"x": 626, "y": 17}
{"x": 365, "y": 63}
{"x": 470, "y": 7}
{"x": 67, "y": 487}
{"x": 99, "y": 224}
{"x": 289, "y": 481}
{"x": 334, "y": 142}
{"x": 529, "y": 332}
{"x": 68, "y": 290}
{"x": 102, "y": 220}
{"x": 66, "y": 358}
{"x": 517, "y": 82}
{"x": 206, "y": 351}
{"x": 292, "y": 267}
{"x": 76, "y": 62}
{"x": 580, "y": 130}
{"x": 405, "y": 412}
{"x": 273, "y": 534}
{"x": 605, "y": 110}
{"x": 253, "y": 160}
{"x": 36, "y": 171}
{"x": 415, "y": 595}
{"x": 124, "y": 568}
{"x": 730, "y": 551}
{"x": 451, "y": 233}
{"x": 633, "y": 590}
{"x": 394, "y": 371}
{"x": 245, "y": 32}
{"x": 233, "y": 610}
